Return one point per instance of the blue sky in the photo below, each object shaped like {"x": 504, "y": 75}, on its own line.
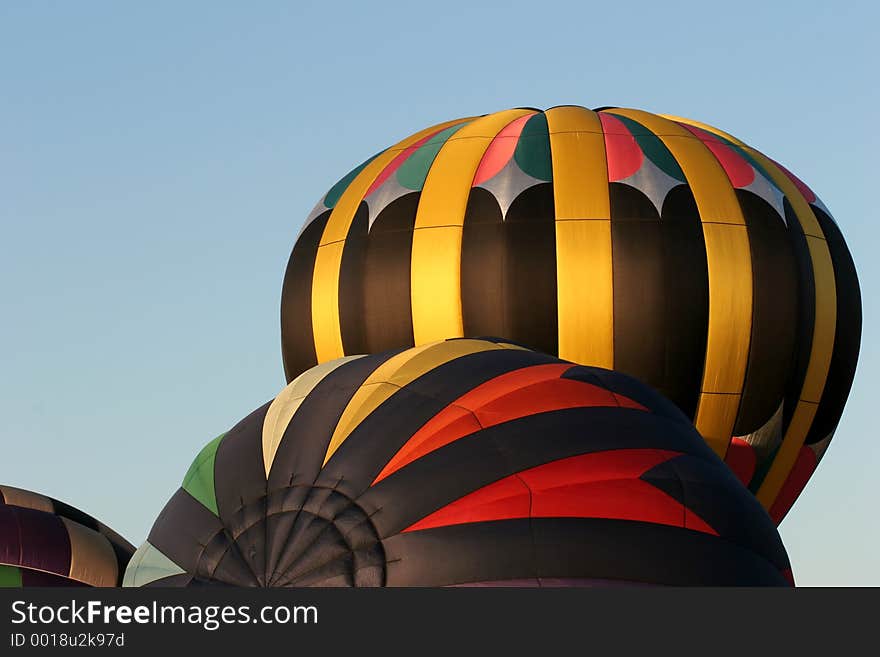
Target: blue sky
{"x": 157, "y": 159}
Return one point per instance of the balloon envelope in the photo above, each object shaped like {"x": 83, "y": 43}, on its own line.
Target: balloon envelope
{"x": 461, "y": 462}
{"x": 655, "y": 246}
{"x": 45, "y": 542}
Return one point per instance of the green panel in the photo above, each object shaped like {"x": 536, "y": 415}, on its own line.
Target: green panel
{"x": 199, "y": 479}
{"x": 339, "y": 188}
{"x": 10, "y": 576}
{"x": 653, "y": 148}
{"x": 532, "y": 152}
{"x": 413, "y": 172}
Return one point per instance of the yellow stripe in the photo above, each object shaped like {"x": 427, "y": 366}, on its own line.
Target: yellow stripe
{"x": 825, "y": 323}
{"x": 585, "y": 292}
{"x": 584, "y": 280}
{"x": 436, "y": 249}
{"x": 328, "y": 260}
{"x": 805, "y": 215}
{"x": 730, "y": 278}
{"x": 395, "y": 373}
{"x": 580, "y": 171}
{"x": 326, "y": 328}
{"x": 284, "y": 406}
{"x": 824, "y": 327}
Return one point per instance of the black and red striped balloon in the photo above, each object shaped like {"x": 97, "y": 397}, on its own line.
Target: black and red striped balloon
{"x": 461, "y": 462}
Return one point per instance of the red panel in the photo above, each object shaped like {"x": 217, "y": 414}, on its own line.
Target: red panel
{"x": 549, "y": 395}
{"x": 506, "y": 498}
{"x": 739, "y": 172}
{"x": 621, "y": 499}
{"x": 500, "y": 150}
{"x": 447, "y": 426}
{"x": 523, "y": 392}
{"x": 741, "y": 458}
{"x": 600, "y": 485}
{"x": 546, "y": 391}
{"x": 501, "y": 385}
{"x": 612, "y": 464}
{"x": 621, "y": 149}
{"x": 800, "y": 474}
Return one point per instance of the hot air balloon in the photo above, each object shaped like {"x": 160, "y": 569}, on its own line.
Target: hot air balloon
{"x": 44, "y": 542}
{"x": 461, "y": 462}
{"x": 652, "y": 245}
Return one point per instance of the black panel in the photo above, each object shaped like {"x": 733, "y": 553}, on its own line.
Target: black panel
{"x": 661, "y": 292}
{"x": 572, "y": 547}
{"x": 235, "y": 561}
{"x": 630, "y": 204}
{"x": 686, "y": 276}
{"x": 388, "y": 305}
{"x": 806, "y": 314}
{"x": 529, "y": 275}
{"x": 640, "y": 322}
{"x": 628, "y": 386}
{"x": 183, "y": 527}
{"x": 482, "y": 266}
{"x": 774, "y": 313}
{"x": 330, "y": 541}
{"x": 239, "y": 473}
{"x": 351, "y": 285}
{"x": 240, "y": 488}
{"x": 710, "y": 490}
{"x": 460, "y": 554}
{"x": 646, "y": 552}
{"x": 72, "y": 513}
{"x": 847, "y": 334}
{"x": 297, "y": 340}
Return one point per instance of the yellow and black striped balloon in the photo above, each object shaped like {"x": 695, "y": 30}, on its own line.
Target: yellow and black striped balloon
{"x": 653, "y": 245}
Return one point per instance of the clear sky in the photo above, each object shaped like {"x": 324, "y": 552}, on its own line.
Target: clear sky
{"x": 158, "y": 158}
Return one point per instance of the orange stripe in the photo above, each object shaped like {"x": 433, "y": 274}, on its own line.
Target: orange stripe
{"x": 520, "y": 393}
{"x": 597, "y": 485}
